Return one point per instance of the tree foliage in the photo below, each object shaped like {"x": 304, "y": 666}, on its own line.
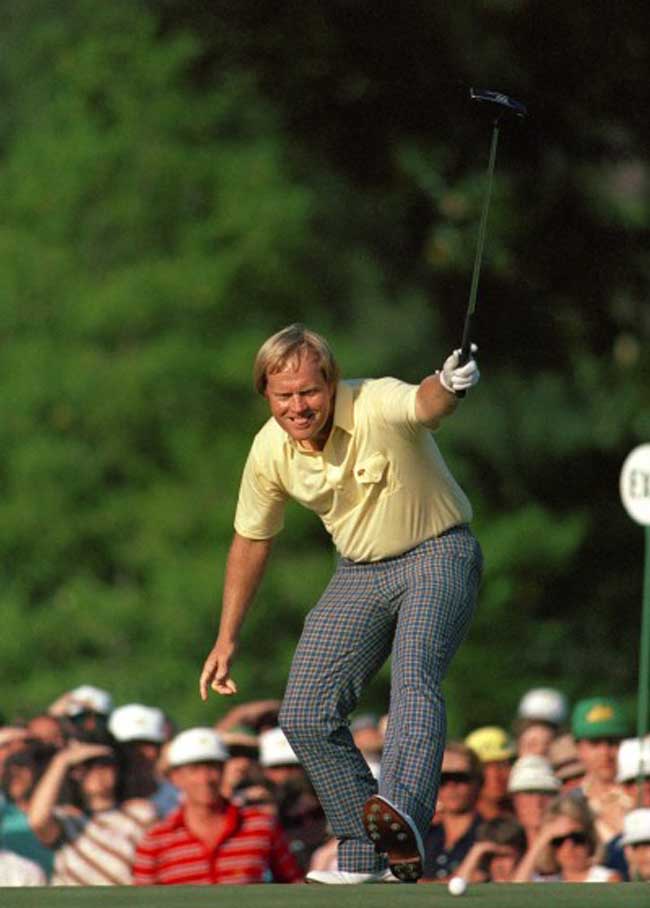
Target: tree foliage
{"x": 179, "y": 180}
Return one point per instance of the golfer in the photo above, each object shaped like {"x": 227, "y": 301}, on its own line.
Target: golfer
{"x": 361, "y": 455}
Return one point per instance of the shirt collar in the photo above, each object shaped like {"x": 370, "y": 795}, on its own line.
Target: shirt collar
{"x": 344, "y": 407}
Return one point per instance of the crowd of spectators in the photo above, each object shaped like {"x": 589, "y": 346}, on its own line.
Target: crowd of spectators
{"x": 97, "y": 795}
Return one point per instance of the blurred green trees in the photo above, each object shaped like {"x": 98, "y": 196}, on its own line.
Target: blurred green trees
{"x": 178, "y": 181}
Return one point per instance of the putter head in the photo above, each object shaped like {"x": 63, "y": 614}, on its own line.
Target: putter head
{"x": 505, "y": 104}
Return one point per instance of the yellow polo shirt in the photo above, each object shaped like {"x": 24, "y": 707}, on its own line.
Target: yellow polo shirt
{"x": 380, "y": 485}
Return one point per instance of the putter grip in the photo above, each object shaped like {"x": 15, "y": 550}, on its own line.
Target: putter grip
{"x": 464, "y": 358}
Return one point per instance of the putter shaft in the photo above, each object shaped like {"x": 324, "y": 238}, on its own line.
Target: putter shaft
{"x": 478, "y": 258}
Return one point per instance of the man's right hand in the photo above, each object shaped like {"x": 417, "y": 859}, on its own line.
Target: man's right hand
{"x": 216, "y": 672}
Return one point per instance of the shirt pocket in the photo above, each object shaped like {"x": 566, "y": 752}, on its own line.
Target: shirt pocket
{"x": 371, "y": 470}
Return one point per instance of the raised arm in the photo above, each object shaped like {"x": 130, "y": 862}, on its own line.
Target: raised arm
{"x": 244, "y": 571}
{"x": 437, "y": 394}
{"x": 41, "y": 816}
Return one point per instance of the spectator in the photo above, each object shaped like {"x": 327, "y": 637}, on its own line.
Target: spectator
{"x": 633, "y": 775}
{"x": 277, "y": 758}
{"x": 633, "y": 770}
{"x": 94, "y": 836}
{"x": 20, "y": 775}
{"x": 12, "y": 739}
{"x": 636, "y": 841}
{"x": 453, "y": 830}
{"x": 493, "y": 858}
{"x": 496, "y": 751}
{"x": 568, "y": 837}
{"x": 86, "y": 708}
{"x": 243, "y": 777}
{"x": 533, "y": 737}
{"x": 599, "y": 725}
{"x": 532, "y": 786}
{"x": 544, "y": 704}
{"x": 540, "y": 714}
{"x": 141, "y": 732}
{"x": 566, "y": 762}
{"x": 299, "y": 811}
{"x": 19, "y": 871}
{"x": 48, "y": 729}
{"x": 210, "y": 840}
{"x": 302, "y": 818}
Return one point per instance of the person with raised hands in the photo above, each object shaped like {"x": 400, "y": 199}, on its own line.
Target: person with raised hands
{"x": 568, "y": 845}
{"x": 94, "y": 832}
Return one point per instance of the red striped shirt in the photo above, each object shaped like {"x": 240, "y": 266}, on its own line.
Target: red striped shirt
{"x": 250, "y": 849}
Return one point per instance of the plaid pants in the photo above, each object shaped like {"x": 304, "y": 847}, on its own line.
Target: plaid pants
{"x": 417, "y": 606}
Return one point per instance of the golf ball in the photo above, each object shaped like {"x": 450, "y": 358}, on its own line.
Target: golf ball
{"x": 457, "y": 885}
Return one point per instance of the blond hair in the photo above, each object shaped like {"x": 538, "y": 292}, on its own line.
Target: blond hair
{"x": 292, "y": 343}
{"x": 574, "y": 805}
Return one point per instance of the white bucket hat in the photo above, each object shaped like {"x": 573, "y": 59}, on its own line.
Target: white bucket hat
{"x": 135, "y": 722}
{"x": 196, "y": 745}
{"x": 636, "y": 826}
{"x": 545, "y": 705}
{"x": 275, "y": 750}
{"x": 532, "y": 773}
{"x": 633, "y": 759}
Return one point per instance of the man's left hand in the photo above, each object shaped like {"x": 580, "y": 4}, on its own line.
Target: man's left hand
{"x": 455, "y": 378}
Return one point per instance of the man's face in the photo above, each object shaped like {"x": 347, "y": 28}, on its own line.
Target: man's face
{"x": 302, "y": 402}
{"x": 458, "y": 790}
{"x": 599, "y": 757}
{"x": 572, "y": 850}
{"x": 530, "y": 806}
{"x": 503, "y": 863}
{"x": 638, "y": 859}
{"x": 495, "y": 779}
{"x": 631, "y": 789}
{"x": 535, "y": 740}
{"x": 200, "y": 783}
{"x": 98, "y": 778}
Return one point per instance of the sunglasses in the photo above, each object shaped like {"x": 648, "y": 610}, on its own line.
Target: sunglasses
{"x": 577, "y": 838}
{"x": 458, "y": 778}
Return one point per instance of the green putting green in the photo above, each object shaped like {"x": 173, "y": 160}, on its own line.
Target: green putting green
{"x": 548, "y": 895}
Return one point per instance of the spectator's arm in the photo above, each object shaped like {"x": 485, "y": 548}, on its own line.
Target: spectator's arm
{"x": 45, "y": 826}
{"x": 41, "y": 816}
{"x": 557, "y": 826}
{"x": 469, "y": 868}
{"x": 248, "y": 714}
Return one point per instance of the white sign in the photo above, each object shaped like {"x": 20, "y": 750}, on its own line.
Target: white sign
{"x": 635, "y": 484}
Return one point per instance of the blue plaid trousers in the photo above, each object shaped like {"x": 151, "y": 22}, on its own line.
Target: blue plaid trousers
{"x": 417, "y": 607}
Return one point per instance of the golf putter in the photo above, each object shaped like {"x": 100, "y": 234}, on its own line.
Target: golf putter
{"x": 504, "y": 106}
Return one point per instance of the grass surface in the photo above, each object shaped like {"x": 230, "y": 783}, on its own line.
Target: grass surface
{"x": 549, "y": 895}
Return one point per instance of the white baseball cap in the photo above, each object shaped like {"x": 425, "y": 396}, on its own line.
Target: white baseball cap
{"x": 532, "y": 773}
{"x": 196, "y": 745}
{"x": 87, "y": 698}
{"x": 544, "y": 704}
{"x": 135, "y": 722}
{"x": 636, "y": 826}
{"x": 275, "y": 750}
{"x": 633, "y": 759}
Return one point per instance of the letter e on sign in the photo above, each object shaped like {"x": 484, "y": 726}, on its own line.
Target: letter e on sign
{"x": 635, "y": 484}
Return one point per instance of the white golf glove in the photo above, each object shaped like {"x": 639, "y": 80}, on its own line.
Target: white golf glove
{"x": 457, "y": 378}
